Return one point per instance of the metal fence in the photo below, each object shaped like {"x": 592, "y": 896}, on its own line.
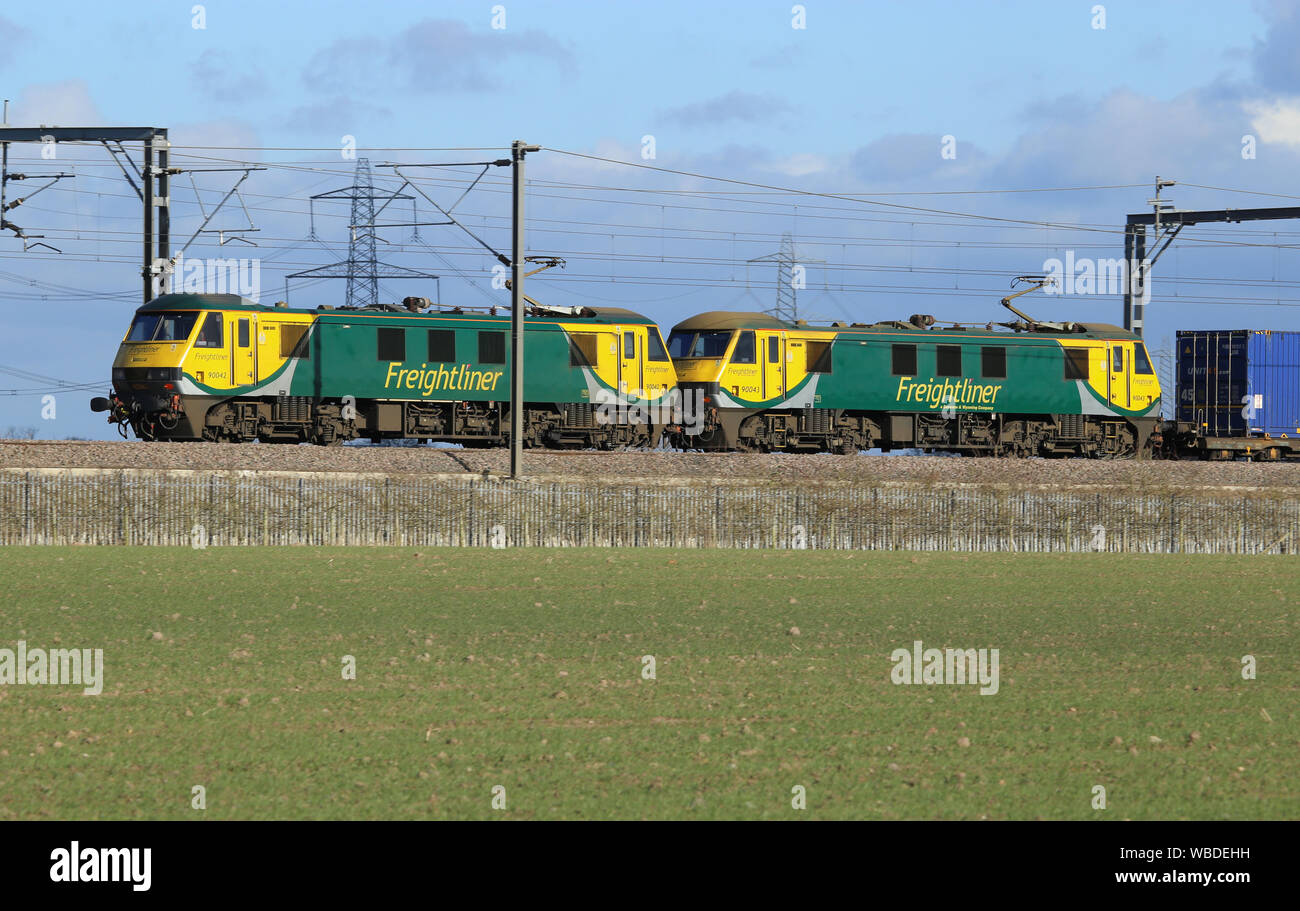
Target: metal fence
{"x": 201, "y": 508}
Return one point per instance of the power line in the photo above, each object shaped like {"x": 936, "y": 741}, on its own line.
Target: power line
{"x": 1008, "y": 223}
{"x": 754, "y": 202}
{"x": 694, "y": 260}
{"x": 1183, "y": 183}
{"x": 812, "y": 193}
{"x": 705, "y": 282}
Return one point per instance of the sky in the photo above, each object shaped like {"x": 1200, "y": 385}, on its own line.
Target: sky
{"x": 919, "y": 154}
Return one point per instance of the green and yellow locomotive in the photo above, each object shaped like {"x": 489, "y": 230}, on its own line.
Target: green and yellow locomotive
{"x": 221, "y": 368}
{"x": 1022, "y": 388}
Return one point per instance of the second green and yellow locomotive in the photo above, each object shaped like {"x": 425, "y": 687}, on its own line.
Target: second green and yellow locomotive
{"x": 1021, "y": 389}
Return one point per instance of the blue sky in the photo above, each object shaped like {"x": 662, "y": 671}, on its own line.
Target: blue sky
{"x": 858, "y": 102}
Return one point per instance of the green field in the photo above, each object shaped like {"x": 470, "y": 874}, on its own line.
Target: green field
{"x": 523, "y": 668}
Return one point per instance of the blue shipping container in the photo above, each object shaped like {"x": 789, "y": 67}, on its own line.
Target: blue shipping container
{"x": 1239, "y": 382}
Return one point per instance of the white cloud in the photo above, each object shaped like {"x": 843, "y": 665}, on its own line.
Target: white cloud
{"x": 1276, "y": 121}
{"x": 56, "y": 104}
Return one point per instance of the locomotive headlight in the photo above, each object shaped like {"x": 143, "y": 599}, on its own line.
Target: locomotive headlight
{"x": 163, "y": 373}
{"x": 119, "y": 374}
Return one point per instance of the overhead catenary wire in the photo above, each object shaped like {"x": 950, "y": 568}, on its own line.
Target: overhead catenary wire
{"x": 470, "y": 251}
{"x": 1211, "y": 238}
{"x": 846, "y": 196}
{"x": 738, "y": 200}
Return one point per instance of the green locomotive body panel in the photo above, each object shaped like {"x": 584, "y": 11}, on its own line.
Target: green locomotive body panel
{"x": 1033, "y": 380}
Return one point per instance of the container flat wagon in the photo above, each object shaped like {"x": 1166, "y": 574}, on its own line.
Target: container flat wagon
{"x": 1237, "y": 395}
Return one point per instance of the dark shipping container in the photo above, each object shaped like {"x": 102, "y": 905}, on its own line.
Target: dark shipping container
{"x": 1239, "y": 382}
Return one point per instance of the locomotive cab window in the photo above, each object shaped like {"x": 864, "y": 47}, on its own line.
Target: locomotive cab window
{"x": 698, "y": 344}
{"x": 1076, "y": 363}
{"x": 162, "y": 327}
{"x": 948, "y": 360}
{"x": 654, "y": 346}
{"x": 773, "y": 349}
{"x": 210, "y": 332}
{"x": 1141, "y": 362}
{"x": 744, "y": 353}
{"x": 629, "y": 344}
{"x": 491, "y": 347}
{"x": 143, "y": 327}
{"x": 244, "y": 339}
{"x": 391, "y": 344}
{"x": 993, "y": 362}
{"x": 175, "y": 327}
{"x": 1117, "y": 359}
{"x": 442, "y": 345}
{"x": 903, "y": 358}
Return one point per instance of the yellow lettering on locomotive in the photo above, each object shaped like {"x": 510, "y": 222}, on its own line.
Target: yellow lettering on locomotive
{"x": 936, "y": 394}
{"x": 429, "y": 380}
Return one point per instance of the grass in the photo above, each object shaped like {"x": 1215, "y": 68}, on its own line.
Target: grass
{"x": 523, "y": 669}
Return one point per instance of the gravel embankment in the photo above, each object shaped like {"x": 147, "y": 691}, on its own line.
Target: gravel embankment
{"x": 634, "y": 466}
